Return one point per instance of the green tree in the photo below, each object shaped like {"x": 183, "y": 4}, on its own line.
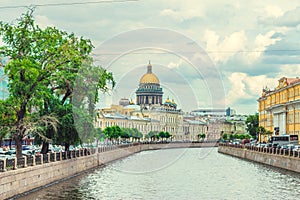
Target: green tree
{"x": 117, "y": 132}
{"x": 42, "y": 70}
{"x": 225, "y": 136}
{"x": 261, "y": 131}
{"x": 108, "y": 132}
{"x": 203, "y": 136}
{"x": 151, "y": 134}
{"x": 252, "y": 123}
{"x": 37, "y": 59}
{"x": 161, "y": 135}
{"x": 247, "y": 136}
{"x": 167, "y": 135}
{"x": 85, "y": 94}
{"x": 125, "y": 134}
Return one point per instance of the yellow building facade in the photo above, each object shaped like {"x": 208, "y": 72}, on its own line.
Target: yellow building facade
{"x": 279, "y": 109}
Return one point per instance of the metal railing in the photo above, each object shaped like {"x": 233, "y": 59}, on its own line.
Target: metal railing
{"x": 40, "y": 159}
{"x": 32, "y": 160}
{"x": 266, "y": 150}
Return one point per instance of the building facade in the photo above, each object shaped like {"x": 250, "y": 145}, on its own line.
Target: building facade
{"x": 150, "y": 113}
{"x": 149, "y": 91}
{"x": 279, "y": 109}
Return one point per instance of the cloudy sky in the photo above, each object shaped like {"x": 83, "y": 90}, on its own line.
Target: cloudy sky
{"x": 208, "y": 53}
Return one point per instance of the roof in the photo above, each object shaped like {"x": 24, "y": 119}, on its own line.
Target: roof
{"x": 135, "y": 107}
{"x": 198, "y": 122}
{"x": 149, "y": 77}
{"x": 114, "y": 115}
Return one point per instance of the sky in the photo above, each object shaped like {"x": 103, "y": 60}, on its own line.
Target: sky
{"x": 206, "y": 54}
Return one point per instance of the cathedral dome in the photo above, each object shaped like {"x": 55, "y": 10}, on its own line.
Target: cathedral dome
{"x": 149, "y": 77}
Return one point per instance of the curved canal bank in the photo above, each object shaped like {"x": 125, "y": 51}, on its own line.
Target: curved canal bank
{"x": 192, "y": 173}
{"x": 284, "y": 160}
{"x": 21, "y": 180}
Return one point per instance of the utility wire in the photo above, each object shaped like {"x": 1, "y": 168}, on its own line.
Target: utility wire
{"x": 254, "y": 51}
{"x": 67, "y": 4}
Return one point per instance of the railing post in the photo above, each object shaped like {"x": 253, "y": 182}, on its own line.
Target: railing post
{"x": 25, "y": 161}
{"x": 48, "y": 154}
{"x": 293, "y": 153}
{"x": 16, "y": 163}
{"x": 33, "y": 160}
{"x": 42, "y": 159}
{"x": 60, "y": 155}
{"x": 54, "y": 156}
{"x": 4, "y": 165}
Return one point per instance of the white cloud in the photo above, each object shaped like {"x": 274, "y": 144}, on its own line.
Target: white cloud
{"x": 289, "y": 70}
{"x": 273, "y": 11}
{"x": 237, "y": 89}
{"x": 261, "y": 43}
{"x": 175, "y": 65}
{"x": 221, "y": 51}
{"x": 43, "y": 21}
{"x": 181, "y": 15}
{"x": 290, "y": 18}
{"x": 247, "y": 87}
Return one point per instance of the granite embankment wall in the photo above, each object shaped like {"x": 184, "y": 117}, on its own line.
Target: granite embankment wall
{"x": 282, "y": 161}
{"x": 14, "y": 182}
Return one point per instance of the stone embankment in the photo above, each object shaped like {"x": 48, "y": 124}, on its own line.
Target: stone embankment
{"x": 22, "y": 175}
{"x": 289, "y": 160}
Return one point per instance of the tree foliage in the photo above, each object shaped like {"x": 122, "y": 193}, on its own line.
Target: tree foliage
{"x": 252, "y": 123}
{"x": 43, "y": 66}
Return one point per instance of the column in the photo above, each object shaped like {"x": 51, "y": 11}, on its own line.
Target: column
{"x": 284, "y": 123}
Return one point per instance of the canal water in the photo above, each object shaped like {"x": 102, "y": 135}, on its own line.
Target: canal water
{"x": 177, "y": 174}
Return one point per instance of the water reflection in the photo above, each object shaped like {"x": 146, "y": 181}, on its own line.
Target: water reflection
{"x": 190, "y": 176}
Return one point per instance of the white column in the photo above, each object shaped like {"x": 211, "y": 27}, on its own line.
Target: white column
{"x": 284, "y": 123}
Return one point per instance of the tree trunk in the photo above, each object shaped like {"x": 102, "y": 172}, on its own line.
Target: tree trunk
{"x": 10, "y": 140}
{"x": 45, "y": 148}
{"x": 18, "y": 140}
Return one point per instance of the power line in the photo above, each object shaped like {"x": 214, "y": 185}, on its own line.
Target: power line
{"x": 253, "y": 51}
{"x": 67, "y": 4}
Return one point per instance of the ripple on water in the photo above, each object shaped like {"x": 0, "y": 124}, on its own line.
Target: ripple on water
{"x": 178, "y": 174}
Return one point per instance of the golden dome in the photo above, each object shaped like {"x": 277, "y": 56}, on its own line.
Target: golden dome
{"x": 149, "y": 77}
